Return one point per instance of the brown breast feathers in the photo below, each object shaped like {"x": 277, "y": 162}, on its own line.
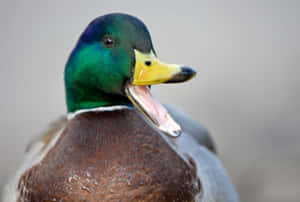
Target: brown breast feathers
{"x": 110, "y": 156}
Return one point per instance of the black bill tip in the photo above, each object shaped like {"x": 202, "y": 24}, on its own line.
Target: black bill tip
{"x": 185, "y": 74}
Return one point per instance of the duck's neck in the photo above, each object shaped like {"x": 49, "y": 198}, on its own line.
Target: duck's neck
{"x": 84, "y": 98}
{"x": 113, "y": 108}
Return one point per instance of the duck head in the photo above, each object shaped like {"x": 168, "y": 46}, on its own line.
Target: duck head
{"x": 114, "y": 63}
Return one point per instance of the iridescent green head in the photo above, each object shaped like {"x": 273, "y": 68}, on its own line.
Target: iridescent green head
{"x": 112, "y": 62}
{"x": 102, "y": 61}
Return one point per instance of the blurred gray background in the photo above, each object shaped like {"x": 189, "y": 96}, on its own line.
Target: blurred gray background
{"x": 247, "y": 54}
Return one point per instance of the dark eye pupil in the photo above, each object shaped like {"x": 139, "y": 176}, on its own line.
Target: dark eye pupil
{"x": 108, "y": 41}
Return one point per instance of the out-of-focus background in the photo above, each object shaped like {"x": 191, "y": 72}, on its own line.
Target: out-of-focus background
{"x": 247, "y": 93}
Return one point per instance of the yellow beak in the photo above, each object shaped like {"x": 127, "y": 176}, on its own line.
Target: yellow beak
{"x": 149, "y": 71}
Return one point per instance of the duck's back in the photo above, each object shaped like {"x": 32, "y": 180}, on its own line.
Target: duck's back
{"x": 110, "y": 156}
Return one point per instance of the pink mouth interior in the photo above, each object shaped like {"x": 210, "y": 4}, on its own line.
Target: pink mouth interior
{"x": 152, "y": 109}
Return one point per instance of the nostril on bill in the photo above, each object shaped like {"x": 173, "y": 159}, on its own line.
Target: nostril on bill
{"x": 148, "y": 63}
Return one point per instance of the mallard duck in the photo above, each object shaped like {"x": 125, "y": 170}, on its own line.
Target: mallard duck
{"x": 117, "y": 143}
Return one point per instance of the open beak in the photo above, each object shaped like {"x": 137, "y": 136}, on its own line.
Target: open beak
{"x": 149, "y": 71}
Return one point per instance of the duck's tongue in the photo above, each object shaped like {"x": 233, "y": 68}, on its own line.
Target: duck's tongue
{"x": 143, "y": 100}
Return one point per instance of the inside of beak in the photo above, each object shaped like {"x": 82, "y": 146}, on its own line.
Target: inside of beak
{"x": 149, "y": 71}
{"x": 143, "y": 100}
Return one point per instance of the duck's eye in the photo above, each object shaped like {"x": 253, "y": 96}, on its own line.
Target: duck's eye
{"x": 108, "y": 41}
